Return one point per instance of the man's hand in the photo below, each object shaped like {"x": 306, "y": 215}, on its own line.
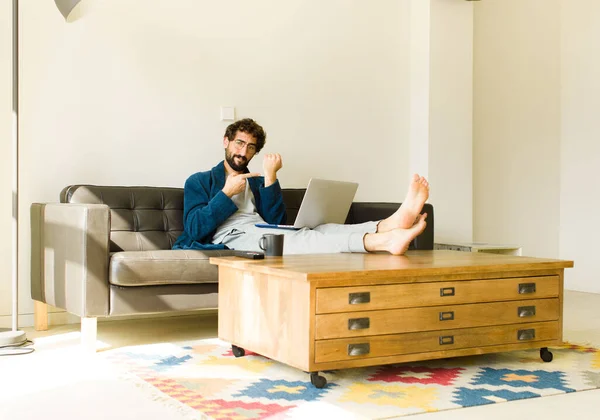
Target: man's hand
{"x": 235, "y": 183}
{"x": 271, "y": 164}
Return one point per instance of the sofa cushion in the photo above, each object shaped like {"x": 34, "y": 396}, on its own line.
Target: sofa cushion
{"x": 153, "y": 268}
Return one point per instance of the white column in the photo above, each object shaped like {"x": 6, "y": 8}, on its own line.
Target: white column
{"x": 441, "y": 110}
{"x": 420, "y": 29}
{"x": 451, "y": 118}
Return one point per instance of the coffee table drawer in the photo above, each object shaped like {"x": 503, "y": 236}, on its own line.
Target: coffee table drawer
{"x": 393, "y": 321}
{"x": 390, "y": 345}
{"x": 368, "y": 298}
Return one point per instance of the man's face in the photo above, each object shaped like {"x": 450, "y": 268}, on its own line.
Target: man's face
{"x": 240, "y": 151}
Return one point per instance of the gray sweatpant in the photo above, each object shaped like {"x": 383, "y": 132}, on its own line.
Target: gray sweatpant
{"x": 323, "y": 239}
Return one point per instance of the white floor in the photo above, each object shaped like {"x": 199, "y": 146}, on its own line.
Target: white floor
{"x": 58, "y": 381}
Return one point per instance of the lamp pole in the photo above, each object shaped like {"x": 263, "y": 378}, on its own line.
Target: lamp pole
{"x": 15, "y": 337}
{"x": 15, "y": 160}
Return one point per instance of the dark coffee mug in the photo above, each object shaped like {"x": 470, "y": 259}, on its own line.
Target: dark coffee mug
{"x": 272, "y": 244}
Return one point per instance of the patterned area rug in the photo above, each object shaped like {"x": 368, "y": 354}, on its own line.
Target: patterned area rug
{"x": 207, "y": 381}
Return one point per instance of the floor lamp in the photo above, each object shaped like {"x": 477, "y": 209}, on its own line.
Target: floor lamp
{"x": 14, "y": 337}
{"x": 66, "y": 8}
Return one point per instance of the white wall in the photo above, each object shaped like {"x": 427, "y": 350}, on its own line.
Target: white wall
{"x": 536, "y": 130}
{"x": 137, "y": 85}
{"x": 580, "y": 142}
{"x": 5, "y": 155}
{"x": 516, "y": 144}
{"x": 130, "y": 93}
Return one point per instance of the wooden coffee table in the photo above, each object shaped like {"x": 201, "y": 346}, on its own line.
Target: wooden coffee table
{"x": 334, "y": 311}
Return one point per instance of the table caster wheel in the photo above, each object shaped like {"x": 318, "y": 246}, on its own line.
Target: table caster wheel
{"x": 317, "y": 380}
{"x": 545, "y": 354}
{"x": 237, "y": 351}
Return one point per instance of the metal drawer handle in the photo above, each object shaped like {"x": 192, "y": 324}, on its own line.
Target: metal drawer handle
{"x": 446, "y": 339}
{"x": 357, "y": 298}
{"x": 523, "y": 335}
{"x": 447, "y": 316}
{"x": 526, "y": 288}
{"x": 446, "y": 291}
{"x": 358, "y": 349}
{"x": 359, "y": 323}
{"x": 526, "y": 311}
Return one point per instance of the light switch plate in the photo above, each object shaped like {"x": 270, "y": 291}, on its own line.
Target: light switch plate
{"x": 227, "y": 113}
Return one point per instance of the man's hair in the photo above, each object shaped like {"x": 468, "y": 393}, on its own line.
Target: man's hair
{"x": 249, "y": 126}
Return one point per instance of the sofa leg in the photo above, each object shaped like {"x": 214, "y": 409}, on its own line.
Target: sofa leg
{"x": 89, "y": 330}
{"x": 40, "y": 316}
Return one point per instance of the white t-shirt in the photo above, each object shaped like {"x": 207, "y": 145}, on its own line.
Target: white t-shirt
{"x": 244, "y": 216}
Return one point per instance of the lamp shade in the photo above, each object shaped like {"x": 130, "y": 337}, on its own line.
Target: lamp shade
{"x": 66, "y": 6}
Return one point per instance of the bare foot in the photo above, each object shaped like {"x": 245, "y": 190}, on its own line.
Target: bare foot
{"x": 407, "y": 213}
{"x": 403, "y": 237}
{"x": 395, "y": 241}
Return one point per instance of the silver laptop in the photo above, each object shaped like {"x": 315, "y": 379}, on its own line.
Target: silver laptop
{"x": 324, "y": 202}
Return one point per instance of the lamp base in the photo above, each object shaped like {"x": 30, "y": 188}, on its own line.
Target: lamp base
{"x": 12, "y": 338}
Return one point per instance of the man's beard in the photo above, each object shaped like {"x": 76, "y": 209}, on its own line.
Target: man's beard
{"x": 230, "y": 158}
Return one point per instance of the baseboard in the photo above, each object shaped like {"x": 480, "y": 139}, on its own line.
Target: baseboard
{"x": 59, "y": 317}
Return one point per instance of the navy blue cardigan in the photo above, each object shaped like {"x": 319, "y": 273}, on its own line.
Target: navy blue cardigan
{"x": 205, "y": 207}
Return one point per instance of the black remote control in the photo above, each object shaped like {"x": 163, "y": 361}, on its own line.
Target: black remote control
{"x": 250, "y": 254}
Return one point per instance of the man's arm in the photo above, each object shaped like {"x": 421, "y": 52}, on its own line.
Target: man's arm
{"x": 271, "y": 164}
{"x": 271, "y": 203}
{"x": 201, "y": 213}
{"x": 272, "y": 207}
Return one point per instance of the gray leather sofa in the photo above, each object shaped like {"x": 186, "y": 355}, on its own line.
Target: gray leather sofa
{"x": 106, "y": 251}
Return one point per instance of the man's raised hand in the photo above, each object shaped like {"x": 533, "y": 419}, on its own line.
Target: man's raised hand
{"x": 271, "y": 164}
{"x": 235, "y": 183}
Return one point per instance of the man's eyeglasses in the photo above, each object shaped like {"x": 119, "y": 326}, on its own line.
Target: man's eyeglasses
{"x": 239, "y": 145}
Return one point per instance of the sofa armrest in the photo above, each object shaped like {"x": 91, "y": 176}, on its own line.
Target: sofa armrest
{"x": 425, "y": 240}
{"x": 69, "y": 257}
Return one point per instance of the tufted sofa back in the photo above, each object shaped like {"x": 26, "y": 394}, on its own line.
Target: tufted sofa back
{"x": 148, "y": 218}
{"x": 151, "y": 218}
{"x": 141, "y": 218}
